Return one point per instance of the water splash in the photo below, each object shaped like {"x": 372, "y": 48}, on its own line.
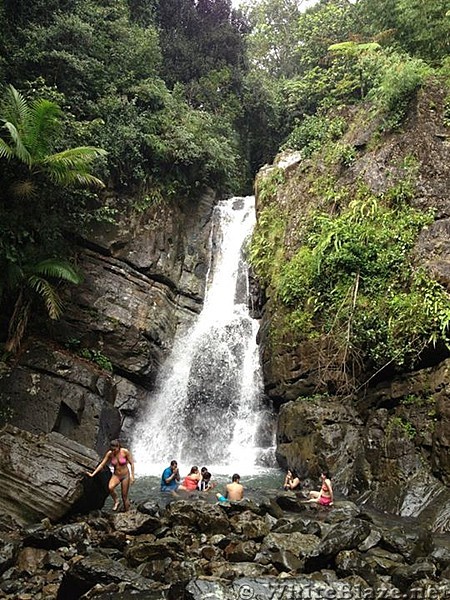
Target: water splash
{"x": 208, "y": 405}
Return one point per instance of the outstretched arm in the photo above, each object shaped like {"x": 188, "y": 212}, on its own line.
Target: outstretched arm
{"x": 101, "y": 465}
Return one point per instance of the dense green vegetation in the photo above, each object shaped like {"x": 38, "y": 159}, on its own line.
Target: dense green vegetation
{"x": 345, "y": 279}
{"x": 135, "y": 84}
{"x": 172, "y": 97}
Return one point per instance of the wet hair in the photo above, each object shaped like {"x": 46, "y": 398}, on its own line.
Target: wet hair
{"x": 326, "y": 473}
{"x": 173, "y": 463}
{"x": 206, "y": 475}
{"x": 194, "y": 469}
{"x": 204, "y": 470}
{"x": 114, "y": 444}
{"x": 235, "y": 477}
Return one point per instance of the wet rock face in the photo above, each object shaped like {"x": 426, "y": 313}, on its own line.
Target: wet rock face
{"x": 346, "y": 556}
{"x": 142, "y": 279}
{"x": 314, "y": 433}
{"x": 391, "y": 446}
{"x": 51, "y": 390}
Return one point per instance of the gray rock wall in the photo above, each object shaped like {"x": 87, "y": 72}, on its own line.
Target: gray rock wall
{"x": 43, "y": 476}
{"x": 87, "y": 375}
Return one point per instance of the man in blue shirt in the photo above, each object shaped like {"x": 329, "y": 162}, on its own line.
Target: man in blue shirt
{"x": 170, "y": 478}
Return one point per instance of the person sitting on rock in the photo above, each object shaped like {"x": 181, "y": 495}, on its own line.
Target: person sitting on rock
{"x": 235, "y": 489}
{"x": 324, "y": 497}
{"x": 206, "y": 484}
{"x": 170, "y": 478}
{"x": 292, "y": 481}
{"x": 122, "y": 465}
{"x": 191, "y": 481}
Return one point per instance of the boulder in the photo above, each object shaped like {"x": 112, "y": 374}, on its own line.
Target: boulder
{"x": 97, "y": 568}
{"x": 44, "y": 476}
{"x": 52, "y": 390}
{"x": 315, "y": 432}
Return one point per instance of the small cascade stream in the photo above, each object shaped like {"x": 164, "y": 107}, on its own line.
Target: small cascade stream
{"x": 208, "y": 405}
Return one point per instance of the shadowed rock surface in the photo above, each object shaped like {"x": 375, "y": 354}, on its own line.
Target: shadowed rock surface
{"x": 238, "y": 552}
{"x": 43, "y": 476}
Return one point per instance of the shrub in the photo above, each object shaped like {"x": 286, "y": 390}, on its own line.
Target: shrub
{"x": 354, "y": 279}
{"x": 313, "y": 132}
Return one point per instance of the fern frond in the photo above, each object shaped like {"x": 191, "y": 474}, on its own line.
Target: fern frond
{"x": 58, "y": 269}
{"x": 76, "y": 157}
{"x": 5, "y": 150}
{"x": 42, "y": 126}
{"x": 16, "y": 109}
{"x": 44, "y": 289}
{"x": 72, "y": 166}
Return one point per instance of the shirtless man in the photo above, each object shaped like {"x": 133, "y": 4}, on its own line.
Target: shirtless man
{"x": 235, "y": 490}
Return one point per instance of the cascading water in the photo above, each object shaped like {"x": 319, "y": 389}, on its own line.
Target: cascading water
{"x": 208, "y": 406}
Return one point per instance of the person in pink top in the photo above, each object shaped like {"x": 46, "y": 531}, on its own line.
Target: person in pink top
{"x": 122, "y": 465}
{"x": 191, "y": 481}
{"x": 324, "y": 496}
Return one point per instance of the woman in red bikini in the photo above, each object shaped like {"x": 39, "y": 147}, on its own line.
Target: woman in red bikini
{"x": 191, "y": 481}
{"x": 122, "y": 464}
{"x": 325, "y": 496}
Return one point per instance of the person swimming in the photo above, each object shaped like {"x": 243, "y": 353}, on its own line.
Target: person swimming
{"x": 234, "y": 490}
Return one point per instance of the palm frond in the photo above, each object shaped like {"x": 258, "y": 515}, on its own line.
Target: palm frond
{"x": 47, "y": 291}
{"x": 43, "y": 124}
{"x": 76, "y": 157}
{"x": 60, "y": 174}
{"x": 56, "y": 268}
{"x": 5, "y": 150}
{"x": 73, "y": 166}
{"x": 16, "y": 109}
{"x": 19, "y": 149}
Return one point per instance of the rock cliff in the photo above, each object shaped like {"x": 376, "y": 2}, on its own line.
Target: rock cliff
{"x": 388, "y": 438}
{"x": 143, "y": 277}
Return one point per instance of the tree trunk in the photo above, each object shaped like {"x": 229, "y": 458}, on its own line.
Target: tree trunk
{"x": 18, "y": 322}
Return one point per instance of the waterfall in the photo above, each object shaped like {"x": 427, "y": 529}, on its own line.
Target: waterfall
{"x": 207, "y": 407}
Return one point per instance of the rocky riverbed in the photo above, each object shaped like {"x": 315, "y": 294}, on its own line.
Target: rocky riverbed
{"x": 195, "y": 549}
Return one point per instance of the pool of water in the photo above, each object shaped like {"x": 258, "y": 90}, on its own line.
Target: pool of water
{"x": 256, "y": 485}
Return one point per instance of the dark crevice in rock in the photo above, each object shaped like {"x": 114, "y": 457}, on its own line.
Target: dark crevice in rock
{"x": 144, "y": 381}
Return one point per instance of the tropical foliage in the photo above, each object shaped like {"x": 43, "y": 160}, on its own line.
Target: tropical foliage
{"x": 186, "y": 95}
{"x": 32, "y": 171}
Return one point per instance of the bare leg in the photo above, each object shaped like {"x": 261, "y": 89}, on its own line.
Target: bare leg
{"x": 313, "y": 497}
{"x": 113, "y": 483}
{"x": 125, "y": 487}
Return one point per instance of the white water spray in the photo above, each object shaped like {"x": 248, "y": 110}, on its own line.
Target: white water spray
{"x": 207, "y": 407}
